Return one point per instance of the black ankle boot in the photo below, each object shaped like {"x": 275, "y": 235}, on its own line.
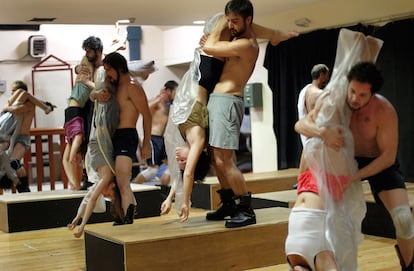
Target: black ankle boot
{"x": 227, "y": 208}
{"x": 6, "y": 182}
{"x": 244, "y": 215}
{"x": 23, "y": 186}
{"x": 402, "y": 263}
{"x": 130, "y": 213}
{"x": 85, "y": 183}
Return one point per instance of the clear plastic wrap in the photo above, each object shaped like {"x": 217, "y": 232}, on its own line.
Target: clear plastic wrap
{"x": 343, "y": 201}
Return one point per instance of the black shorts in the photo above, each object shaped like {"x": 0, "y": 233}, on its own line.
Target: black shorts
{"x": 125, "y": 142}
{"x": 388, "y": 179}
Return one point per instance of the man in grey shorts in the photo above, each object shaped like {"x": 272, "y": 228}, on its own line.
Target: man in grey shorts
{"x": 226, "y": 110}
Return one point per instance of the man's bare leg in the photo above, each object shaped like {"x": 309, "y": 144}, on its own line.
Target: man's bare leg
{"x": 231, "y": 177}
{"x": 15, "y": 157}
{"x": 123, "y": 167}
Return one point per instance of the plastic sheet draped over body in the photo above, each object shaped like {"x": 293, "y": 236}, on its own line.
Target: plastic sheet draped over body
{"x": 184, "y": 100}
{"x": 343, "y": 201}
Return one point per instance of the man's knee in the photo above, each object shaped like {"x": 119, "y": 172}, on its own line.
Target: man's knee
{"x": 403, "y": 222}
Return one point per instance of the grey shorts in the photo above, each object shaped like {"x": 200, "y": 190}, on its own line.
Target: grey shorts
{"x": 23, "y": 139}
{"x": 225, "y": 117}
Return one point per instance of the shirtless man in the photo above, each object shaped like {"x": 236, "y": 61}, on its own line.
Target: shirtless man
{"x": 159, "y": 108}
{"x": 226, "y": 102}
{"x": 310, "y": 93}
{"x": 132, "y": 102}
{"x": 374, "y": 126}
{"x": 22, "y": 105}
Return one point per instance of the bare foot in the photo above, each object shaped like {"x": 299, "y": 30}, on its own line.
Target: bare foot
{"x": 71, "y": 226}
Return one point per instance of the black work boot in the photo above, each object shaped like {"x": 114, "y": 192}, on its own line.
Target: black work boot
{"x": 227, "y": 208}
{"x": 244, "y": 215}
{"x": 23, "y": 186}
{"x": 6, "y": 182}
{"x": 402, "y": 263}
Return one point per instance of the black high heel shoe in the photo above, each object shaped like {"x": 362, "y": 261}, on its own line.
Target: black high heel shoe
{"x": 130, "y": 213}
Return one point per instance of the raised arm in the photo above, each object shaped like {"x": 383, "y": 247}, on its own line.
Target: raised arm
{"x": 273, "y": 35}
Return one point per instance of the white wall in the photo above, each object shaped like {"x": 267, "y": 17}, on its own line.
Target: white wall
{"x": 171, "y": 50}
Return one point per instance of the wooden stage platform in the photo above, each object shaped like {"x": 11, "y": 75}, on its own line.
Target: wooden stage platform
{"x": 376, "y": 222}
{"x": 198, "y": 244}
{"x": 205, "y": 195}
{"x": 56, "y": 208}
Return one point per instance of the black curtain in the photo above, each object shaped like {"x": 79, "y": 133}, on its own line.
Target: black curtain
{"x": 289, "y": 65}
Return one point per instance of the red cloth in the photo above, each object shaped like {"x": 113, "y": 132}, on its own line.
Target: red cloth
{"x": 336, "y": 184}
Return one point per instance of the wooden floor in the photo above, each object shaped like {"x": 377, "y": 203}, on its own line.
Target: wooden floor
{"x": 57, "y": 249}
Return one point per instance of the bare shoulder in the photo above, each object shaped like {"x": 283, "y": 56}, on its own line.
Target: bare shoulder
{"x": 384, "y": 110}
{"x": 383, "y": 104}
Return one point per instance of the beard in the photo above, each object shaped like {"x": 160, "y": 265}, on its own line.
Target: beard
{"x": 356, "y": 107}
{"x": 114, "y": 81}
{"x": 236, "y": 34}
{"x": 92, "y": 59}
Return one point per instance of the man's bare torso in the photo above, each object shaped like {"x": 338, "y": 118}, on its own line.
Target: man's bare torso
{"x": 237, "y": 71}
{"x": 27, "y": 118}
{"x": 128, "y": 113}
{"x": 365, "y": 124}
{"x": 159, "y": 119}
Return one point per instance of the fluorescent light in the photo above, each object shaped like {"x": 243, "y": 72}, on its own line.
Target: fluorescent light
{"x": 126, "y": 21}
{"x": 199, "y": 22}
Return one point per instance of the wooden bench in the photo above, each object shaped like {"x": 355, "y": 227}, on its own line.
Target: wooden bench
{"x": 50, "y": 209}
{"x": 205, "y": 195}
{"x": 156, "y": 244}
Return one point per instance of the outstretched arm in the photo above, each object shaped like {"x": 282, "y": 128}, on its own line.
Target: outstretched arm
{"x": 273, "y": 35}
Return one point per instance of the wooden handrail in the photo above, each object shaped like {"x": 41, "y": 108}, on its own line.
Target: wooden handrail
{"x": 38, "y": 134}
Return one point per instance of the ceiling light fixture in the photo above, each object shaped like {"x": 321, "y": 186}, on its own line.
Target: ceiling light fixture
{"x": 126, "y": 21}
{"x": 302, "y": 22}
{"x": 199, "y": 22}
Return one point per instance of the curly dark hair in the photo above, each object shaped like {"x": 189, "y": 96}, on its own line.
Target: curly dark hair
{"x": 92, "y": 43}
{"x": 366, "y": 72}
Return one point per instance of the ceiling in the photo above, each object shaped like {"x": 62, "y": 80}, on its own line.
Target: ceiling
{"x": 279, "y": 14}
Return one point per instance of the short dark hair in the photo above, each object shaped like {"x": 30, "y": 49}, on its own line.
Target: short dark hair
{"x": 92, "y": 43}
{"x": 366, "y": 72}
{"x": 243, "y": 8}
{"x": 171, "y": 85}
{"x": 317, "y": 70}
{"x": 116, "y": 61}
{"x": 20, "y": 85}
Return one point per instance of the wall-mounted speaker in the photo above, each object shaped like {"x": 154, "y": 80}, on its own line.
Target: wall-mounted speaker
{"x": 37, "y": 46}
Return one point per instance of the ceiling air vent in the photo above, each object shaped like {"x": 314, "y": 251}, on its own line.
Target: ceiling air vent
{"x": 37, "y": 46}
